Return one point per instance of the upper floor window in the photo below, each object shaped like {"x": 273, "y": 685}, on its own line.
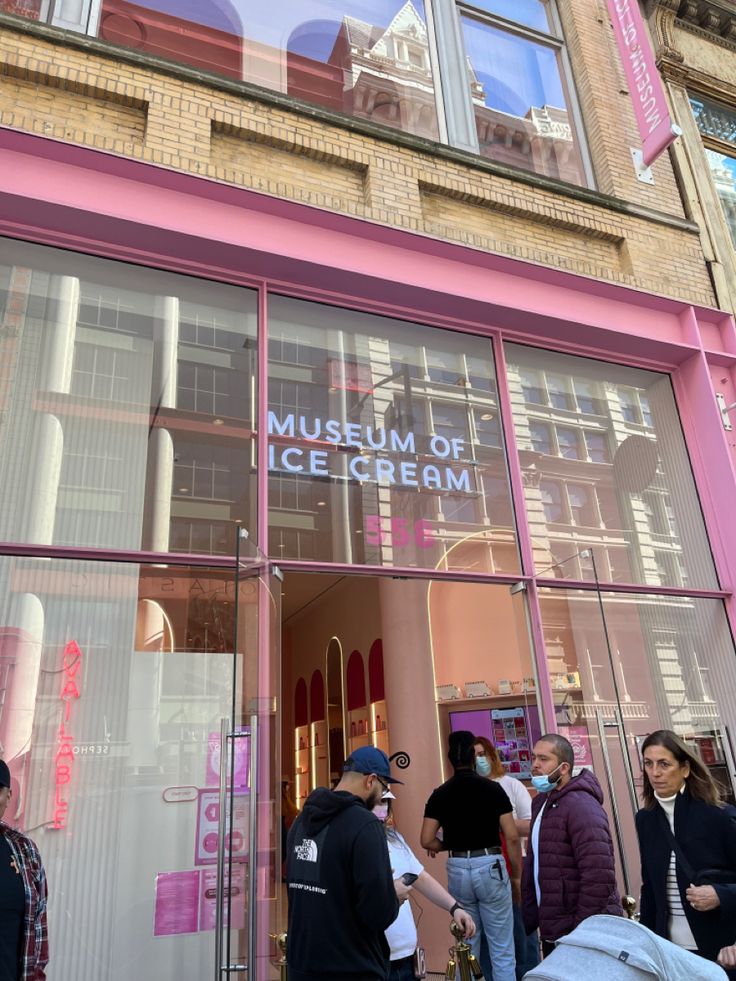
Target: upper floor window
{"x": 717, "y": 125}
{"x": 522, "y": 98}
{"x": 488, "y": 75}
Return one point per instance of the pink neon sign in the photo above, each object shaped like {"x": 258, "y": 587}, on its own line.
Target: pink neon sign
{"x": 656, "y": 128}
{"x": 64, "y": 758}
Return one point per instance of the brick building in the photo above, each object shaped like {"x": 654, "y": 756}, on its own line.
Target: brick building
{"x": 381, "y": 286}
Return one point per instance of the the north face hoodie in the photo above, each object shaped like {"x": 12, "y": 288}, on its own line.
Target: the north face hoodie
{"x": 341, "y": 892}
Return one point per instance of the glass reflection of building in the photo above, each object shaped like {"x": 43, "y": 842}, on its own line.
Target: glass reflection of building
{"x": 373, "y": 63}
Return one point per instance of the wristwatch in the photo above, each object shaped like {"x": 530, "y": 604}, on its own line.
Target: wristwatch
{"x": 453, "y": 908}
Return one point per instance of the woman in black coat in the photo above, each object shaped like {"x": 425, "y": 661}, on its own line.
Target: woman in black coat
{"x": 688, "y": 892}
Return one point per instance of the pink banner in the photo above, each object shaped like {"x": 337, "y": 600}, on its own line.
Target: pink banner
{"x": 647, "y": 94}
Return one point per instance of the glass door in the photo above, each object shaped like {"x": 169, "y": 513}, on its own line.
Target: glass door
{"x": 247, "y": 875}
{"x": 623, "y": 665}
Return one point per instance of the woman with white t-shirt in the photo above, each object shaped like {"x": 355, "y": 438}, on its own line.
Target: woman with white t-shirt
{"x": 488, "y": 764}
{"x": 402, "y": 934}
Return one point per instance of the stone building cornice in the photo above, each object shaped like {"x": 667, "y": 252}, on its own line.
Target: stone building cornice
{"x": 715, "y": 19}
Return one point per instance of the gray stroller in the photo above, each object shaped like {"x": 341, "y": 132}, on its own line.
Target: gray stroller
{"x": 611, "y": 948}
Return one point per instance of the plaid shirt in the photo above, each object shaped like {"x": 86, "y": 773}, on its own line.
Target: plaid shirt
{"x": 35, "y": 943}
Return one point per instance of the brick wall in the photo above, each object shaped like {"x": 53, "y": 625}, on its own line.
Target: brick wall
{"x": 80, "y": 93}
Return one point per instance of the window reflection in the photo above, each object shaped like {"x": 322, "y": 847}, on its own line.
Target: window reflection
{"x": 367, "y": 60}
{"x": 385, "y": 444}
{"x": 521, "y": 107}
{"x": 605, "y": 465}
{"x": 131, "y": 405}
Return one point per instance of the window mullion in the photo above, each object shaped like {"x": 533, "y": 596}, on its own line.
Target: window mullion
{"x": 453, "y": 73}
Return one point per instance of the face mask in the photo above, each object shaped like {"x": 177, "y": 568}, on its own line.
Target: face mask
{"x": 482, "y": 766}
{"x": 543, "y": 783}
{"x": 381, "y": 811}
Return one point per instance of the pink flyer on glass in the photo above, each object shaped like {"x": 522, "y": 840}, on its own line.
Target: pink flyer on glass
{"x": 176, "y": 908}
{"x": 242, "y": 745}
{"x": 208, "y": 818}
{"x": 208, "y": 899}
{"x": 580, "y": 741}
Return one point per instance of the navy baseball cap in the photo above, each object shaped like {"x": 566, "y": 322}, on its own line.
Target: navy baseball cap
{"x": 369, "y": 759}
{"x": 4, "y": 774}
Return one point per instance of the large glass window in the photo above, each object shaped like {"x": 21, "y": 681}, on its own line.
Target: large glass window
{"x": 599, "y": 487}
{"x": 521, "y": 100}
{"x": 384, "y": 443}
{"x": 129, "y": 405}
{"x": 374, "y": 61}
{"x": 717, "y": 125}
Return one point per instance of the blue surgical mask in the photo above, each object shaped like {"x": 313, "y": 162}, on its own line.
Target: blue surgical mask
{"x": 482, "y": 766}
{"x": 543, "y": 783}
{"x": 381, "y": 811}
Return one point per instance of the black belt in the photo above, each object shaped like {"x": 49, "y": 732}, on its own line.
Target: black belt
{"x": 477, "y": 852}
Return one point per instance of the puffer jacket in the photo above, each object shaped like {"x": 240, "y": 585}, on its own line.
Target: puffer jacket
{"x": 577, "y": 875}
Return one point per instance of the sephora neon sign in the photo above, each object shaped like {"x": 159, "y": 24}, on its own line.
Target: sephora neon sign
{"x": 64, "y": 757}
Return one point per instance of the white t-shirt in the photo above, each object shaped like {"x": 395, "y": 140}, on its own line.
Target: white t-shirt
{"x": 535, "y": 849}
{"x": 402, "y": 934}
{"x": 520, "y": 798}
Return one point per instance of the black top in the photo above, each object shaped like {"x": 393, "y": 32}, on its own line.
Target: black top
{"x": 707, "y": 836}
{"x": 468, "y": 808}
{"x": 12, "y": 910}
{"x": 341, "y": 892}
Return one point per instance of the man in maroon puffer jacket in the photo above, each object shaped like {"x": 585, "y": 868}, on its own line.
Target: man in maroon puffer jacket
{"x": 569, "y": 871}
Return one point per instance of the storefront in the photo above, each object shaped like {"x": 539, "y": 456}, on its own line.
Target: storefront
{"x": 284, "y": 483}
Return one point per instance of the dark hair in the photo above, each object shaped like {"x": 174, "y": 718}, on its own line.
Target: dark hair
{"x": 460, "y": 748}
{"x": 491, "y": 752}
{"x": 699, "y": 782}
{"x": 561, "y": 747}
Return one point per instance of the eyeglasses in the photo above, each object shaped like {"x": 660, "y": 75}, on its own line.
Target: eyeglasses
{"x": 382, "y": 783}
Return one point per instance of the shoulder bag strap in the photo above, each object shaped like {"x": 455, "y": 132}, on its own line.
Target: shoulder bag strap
{"x": 679, "y": 854}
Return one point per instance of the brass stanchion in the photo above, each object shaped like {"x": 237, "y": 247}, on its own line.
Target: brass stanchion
{"x": 280, "y": 939}
{"x": 629, "y": 905}
{"x": 462, "y": 964}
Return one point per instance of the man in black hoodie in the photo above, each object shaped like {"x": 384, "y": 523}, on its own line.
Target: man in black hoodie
{"x": 341, "y": 893}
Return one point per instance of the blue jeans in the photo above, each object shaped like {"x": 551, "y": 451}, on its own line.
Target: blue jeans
{"x": 402, "y": 970}
{"x": 526, "y": 949}
{"x": 481, "y": 885}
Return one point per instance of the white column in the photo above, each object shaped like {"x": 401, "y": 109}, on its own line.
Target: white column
{"x": 160, "y": 477}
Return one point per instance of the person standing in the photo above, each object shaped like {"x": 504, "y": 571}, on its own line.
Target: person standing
{"x": 342, "y": 896}
{"x": 473, "y": 812}
{"x": 24, "y": 950}
{"x": 686, "y": 832}
{"x": 569, "y": 871}
{"x": 402, "y": 934}
{"x": 488, "y": 764}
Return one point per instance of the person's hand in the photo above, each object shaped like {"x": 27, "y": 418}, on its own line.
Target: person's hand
{"x": 727, "y": 956}
{"x": 465, "y": 921}
{"x": 516, "y": 891}
{"x": 431, "y": 853}
{"x": 702, "y": 898}
{"x": 402, "y": 890}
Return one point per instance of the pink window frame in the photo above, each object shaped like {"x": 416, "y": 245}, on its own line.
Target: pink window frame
{"x": 115, "y": 206}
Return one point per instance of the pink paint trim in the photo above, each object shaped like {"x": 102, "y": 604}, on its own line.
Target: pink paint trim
{"x": 395, "y": 572}
{"x": 713, "y": 466}
{"x": 526, "y": 546}
{"x": 630, "y": 587}
{"x": 262, "y": 444}
{"x": 50, "y": 185}
{"x": 223, "y": 563}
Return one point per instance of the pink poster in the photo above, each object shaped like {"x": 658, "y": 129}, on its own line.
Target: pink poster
{"x": 208, "y": 899}
{"x": 242, "y": 745}
{"x": 578, "y": 736}
{"x": 208, "y": 819}
{"x": 177, "y": 899}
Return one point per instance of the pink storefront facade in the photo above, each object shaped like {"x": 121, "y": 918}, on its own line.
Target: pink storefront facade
{"x": 507, "y": 489}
